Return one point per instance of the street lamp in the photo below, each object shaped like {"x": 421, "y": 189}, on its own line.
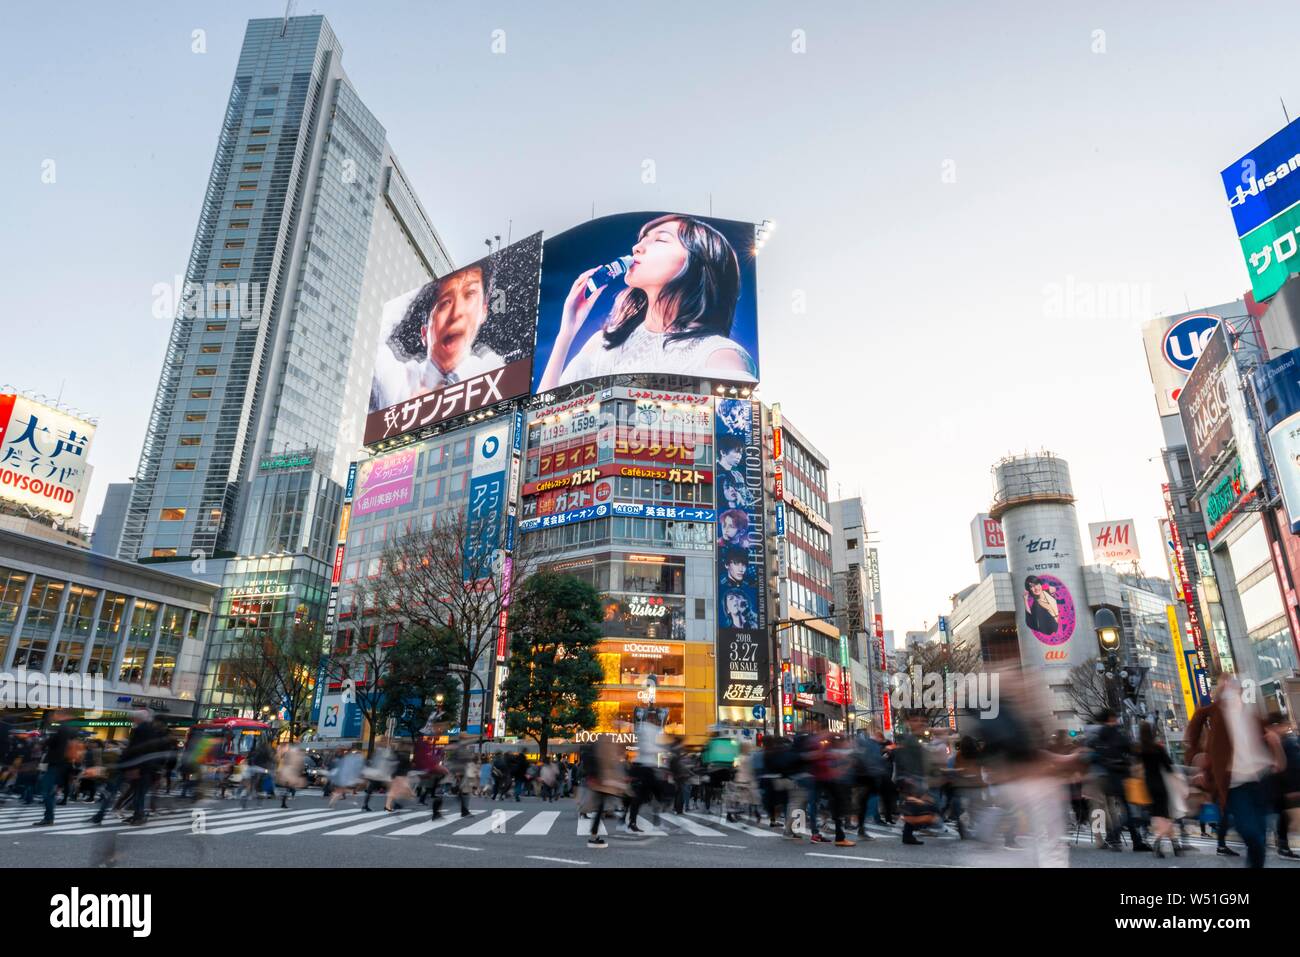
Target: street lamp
{"x": 1107, "y": 627}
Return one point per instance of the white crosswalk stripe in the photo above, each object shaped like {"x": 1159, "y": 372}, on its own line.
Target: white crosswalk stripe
{"x": 172, "y": 822}
{"x": 345, "y": 821}
{"x": 426, "y": 826}
{"x": 247, "y": 820}
{"x": 489, "y": 824}
{"x": 365, "y": 826}
{"x": 691, "y": 827}
{"x": 540, "y": 823}
{"x": 737, "y": 826}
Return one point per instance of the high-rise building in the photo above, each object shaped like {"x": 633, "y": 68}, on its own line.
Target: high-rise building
{"x": 856, "y": 577}
{"x": 307, "y": 227}
{"x": 107, "y": 535}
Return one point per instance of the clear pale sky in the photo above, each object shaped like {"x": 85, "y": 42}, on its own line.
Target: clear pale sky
{"x": 952, "y": 182}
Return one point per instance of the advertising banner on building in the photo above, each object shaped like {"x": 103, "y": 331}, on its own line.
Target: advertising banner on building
{"x": 43, "y": 456}
{"x": 742, "y": 648}
{"x": 1263, "y": 190}
{"x": 1181, "y": 661}
{"x": 487, "y": 500}
{"x": 1223, "y": 500}
{"x": 1277, "y": 385}
{"x": 1203, "y": 405}
{"x": 1114, "y": 543}
{"x": 595, "y": 287}
{"x": 459, "y": 343}
{"x": 1183, "y": 580}
{"x": 986, "y": 537}
{"x": 385, "y": 483}
{"x": 1174, "y": 343}
{"x": 332, "y": 604}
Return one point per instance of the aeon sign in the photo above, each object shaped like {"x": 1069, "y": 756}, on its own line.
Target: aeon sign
{"x": 1186, "y": 339}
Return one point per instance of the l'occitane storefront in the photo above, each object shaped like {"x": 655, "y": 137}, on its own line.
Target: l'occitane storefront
{"x": 673, "y": 676}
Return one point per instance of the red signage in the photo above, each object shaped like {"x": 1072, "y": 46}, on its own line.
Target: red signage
{"x": 993, "y": 537}
{"x": 889, "y": 720}
{"x": 338, "y": 564}
{"x": 1185, "y": 583}
{"x": 589, "y": 474}
{"x": 778, "y": 485}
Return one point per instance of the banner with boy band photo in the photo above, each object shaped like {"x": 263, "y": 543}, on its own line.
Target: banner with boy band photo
{"x": 742, "y": 594}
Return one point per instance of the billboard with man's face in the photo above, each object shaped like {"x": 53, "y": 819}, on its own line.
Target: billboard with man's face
{"x": 648, "y": 293}
{"x": 461, "y": 342}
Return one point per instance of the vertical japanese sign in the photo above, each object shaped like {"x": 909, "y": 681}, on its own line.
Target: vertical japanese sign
{"x": 742, "y": 651}
{"x": 43, "y": 456}
{"x": 1181, "y": 662}
{"x": 787, "y": 700}
{"x": 1184, "y": 581}
{"x": 332, "y": 605}
{"x": 487, "y": 501}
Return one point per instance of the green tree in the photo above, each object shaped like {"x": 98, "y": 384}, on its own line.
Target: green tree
{"x": 415, "y": 677}
{"x": 554, "y": 673}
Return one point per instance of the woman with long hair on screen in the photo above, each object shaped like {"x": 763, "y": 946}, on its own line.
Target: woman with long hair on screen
{"x": 674, "y": 316}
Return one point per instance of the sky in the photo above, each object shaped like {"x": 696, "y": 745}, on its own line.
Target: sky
{"x": 955, "y": 186}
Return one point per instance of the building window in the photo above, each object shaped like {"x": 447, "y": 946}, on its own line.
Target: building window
{"x": 185, "y": 465}
{"x": 200, "y": 393}
{"x": 260, "y": 130}
{"x": 234, "y": 244}
{"x": 230, "y": 264}
{"x": 241, "y": 223}
{"x": 210, "y": 348}
{"x": 270, "y": 90}
{"x": 257, "y": 148}
{"x": 206, "y": 371}
{"x": 191, "y": 439}
{"x": 252, "y": 168}
{"x": 173, "y": 515}
{"x": 248, "y": 184}
{"x": 216, "y": 327}
{"x": 196, "y": 416}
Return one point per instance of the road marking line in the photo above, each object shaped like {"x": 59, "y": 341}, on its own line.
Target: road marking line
{"x": 489, "y": 824}
{"x": 691, "y": 827}
{"x": 459, "y": 847}
{"x": 850, "y": 857}
{"x": 562, "y": 860}
{"x": 426, "y": 826}
{"x": 738, "y": 847}
{"x": 540, "y": 823}
{"x": 736, "y": 826}
{"x": 365, "y": 826}
{"x": 160, "y": 825}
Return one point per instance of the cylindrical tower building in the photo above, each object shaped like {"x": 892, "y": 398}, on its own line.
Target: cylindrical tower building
{"x": 1035, "y": 503}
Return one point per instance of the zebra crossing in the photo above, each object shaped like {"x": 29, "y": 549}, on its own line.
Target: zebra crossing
{"x": 221, "y": 818}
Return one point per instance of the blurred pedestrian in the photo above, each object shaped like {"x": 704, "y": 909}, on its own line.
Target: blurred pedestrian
{"x": 1227, "y": 739}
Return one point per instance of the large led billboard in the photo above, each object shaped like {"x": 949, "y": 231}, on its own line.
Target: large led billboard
{"x": 1263, "y": 193}
{"x": 742, "y": 654}
{"x": 461, "y": 342}
{"x": 648, "y": 293}
{"x": 43, "y": 456}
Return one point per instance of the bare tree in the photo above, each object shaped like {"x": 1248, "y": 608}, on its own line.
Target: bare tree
{"x": 450, "y": 581}
{"x": 1091, "y": 690}
{"x": 940, "y": 659}
{"x": 277, "y": 668}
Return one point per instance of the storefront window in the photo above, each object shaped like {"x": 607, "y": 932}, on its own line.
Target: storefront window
{"x": 630, "y": 662}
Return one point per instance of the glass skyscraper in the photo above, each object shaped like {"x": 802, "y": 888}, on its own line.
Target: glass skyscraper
{"x": 307, "y": 226}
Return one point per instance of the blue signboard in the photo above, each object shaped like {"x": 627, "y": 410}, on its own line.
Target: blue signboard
{"x": 1266, "y": 181}
{"x": 679, "y": 513}
{"x": 780, "y": 519}
{"x": 1200, "y": 682}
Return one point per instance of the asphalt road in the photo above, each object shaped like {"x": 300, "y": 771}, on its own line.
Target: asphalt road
{"x": 530, "y": 833}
